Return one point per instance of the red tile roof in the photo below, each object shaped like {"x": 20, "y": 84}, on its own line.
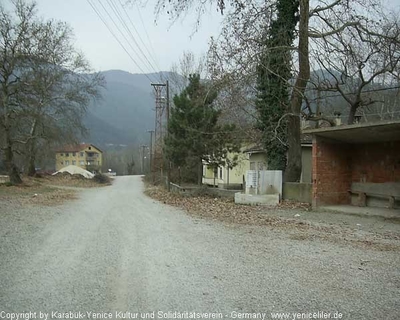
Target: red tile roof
{"x": 75, "y": 147}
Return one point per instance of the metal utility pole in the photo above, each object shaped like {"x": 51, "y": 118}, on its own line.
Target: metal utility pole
{"x": 158, "y": 158}
{"x": 143, "y": 148}
{"x": 151, "y": 151}
{"x": 167, "y": 88}
{"x": 169, "y": 162}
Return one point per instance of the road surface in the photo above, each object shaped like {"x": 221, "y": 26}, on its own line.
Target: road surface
{"x": 114, "y": 251}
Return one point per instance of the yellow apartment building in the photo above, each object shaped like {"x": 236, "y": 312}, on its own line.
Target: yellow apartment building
{"x": 84, "y": 155}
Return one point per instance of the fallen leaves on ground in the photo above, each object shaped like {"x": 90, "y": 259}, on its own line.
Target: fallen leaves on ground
{"x": 223, "y": 209}
{"x": 227, "y": 211}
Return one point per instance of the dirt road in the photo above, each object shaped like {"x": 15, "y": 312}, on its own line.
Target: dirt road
{"x": 116, "y": 251}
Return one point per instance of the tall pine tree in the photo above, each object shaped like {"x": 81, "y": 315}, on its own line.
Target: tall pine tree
{"x": 194, "y": 133}
{"x": 273, "y": 76}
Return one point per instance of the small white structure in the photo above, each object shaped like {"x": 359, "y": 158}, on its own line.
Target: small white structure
{"x": 76, "y": 170}
{"x": 263, "y": 187}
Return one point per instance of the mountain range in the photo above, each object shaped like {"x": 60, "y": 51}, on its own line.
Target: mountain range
{"x": 125, "y": 112}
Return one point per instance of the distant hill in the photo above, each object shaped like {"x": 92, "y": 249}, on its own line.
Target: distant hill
{"x": 125, "y": 112}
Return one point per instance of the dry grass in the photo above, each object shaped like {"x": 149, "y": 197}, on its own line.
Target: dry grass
{"x": 45, "y": 190}
{"x": 31, "y": 192}
{"x": 67, "y": 180}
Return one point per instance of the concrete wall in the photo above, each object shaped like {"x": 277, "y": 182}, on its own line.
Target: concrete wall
{"x": 270, "y": 182}
{"x": 301, "y": 192}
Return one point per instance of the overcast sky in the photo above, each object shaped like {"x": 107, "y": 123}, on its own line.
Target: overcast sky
{"x": 104, "y": 52}
{"x": 163, "y": 44}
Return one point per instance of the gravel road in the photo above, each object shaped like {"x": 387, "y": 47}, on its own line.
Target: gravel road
{"x": 116, "y": 250}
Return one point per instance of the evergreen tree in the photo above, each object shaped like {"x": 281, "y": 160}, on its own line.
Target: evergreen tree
{"x": 194, "y": 134}
{"x": 273, "y": 76}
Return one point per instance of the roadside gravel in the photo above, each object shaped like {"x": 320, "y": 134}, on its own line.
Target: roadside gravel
{"x": 115, "y": 249}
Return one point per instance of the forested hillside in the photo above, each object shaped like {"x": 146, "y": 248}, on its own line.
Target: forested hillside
{"x": 125, "y": 112}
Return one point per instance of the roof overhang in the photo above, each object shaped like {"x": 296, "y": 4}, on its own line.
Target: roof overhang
{"x": 361, "y": 133}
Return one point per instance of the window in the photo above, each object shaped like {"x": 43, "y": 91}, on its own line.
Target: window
{"x": 220, "y": 173}
{"x": 67, "y": 154}
{"x": 82, "y": 163}
{"x": 73, "y": 162}
{"x": 74, "y": 154}
{"x": 62, "y": 154}
{"x": 82, "y": 154}
{"x": 90, "y": 148}
{"x": 67, "y": 162}
{"x": 62, "y": 162}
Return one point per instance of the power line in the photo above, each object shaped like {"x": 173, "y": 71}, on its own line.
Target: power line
{"x": 119, "y": 30}
{"x": 118, "y": 14}
{"x": 147, "y": 35}
{"x": 152, "y": 54}
{"x": 116, "y": 38}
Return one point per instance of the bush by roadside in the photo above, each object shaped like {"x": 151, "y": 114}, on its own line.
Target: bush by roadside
{"x": 102, "y": 179}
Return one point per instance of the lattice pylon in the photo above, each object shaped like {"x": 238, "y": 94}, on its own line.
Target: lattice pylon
{"x": 159, "y": 127}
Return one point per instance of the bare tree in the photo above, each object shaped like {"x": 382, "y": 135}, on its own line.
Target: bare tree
{"x": 238, "y": 52}
{"x": 362, "y": 57}
{"x": 44, "y": 91}
{"x": 187, "y": 65}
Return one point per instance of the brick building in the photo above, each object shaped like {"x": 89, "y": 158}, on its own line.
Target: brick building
{"x": 357, "y": 164}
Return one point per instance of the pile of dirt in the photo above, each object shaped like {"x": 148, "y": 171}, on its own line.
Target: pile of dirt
{"x": 75, "y": 170}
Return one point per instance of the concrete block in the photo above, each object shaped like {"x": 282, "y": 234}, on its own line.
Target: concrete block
{"x": 4, "y": 179}
{"x": 251, "y": 199}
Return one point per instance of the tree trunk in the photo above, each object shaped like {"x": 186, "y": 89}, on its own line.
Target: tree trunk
{"x": 9, "y": 162}
{"x": 32, "y": 158}
{"x": 8, "y": 153}
{"x": 200, "y": 172}
{"x": 352, "y": 113}
{"x": 215, "y": 175}
{"x": 31, "y": 165}
{"x": 293, "y": 168}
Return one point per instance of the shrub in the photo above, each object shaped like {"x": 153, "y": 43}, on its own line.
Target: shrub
{"x": 101, "y": 178}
